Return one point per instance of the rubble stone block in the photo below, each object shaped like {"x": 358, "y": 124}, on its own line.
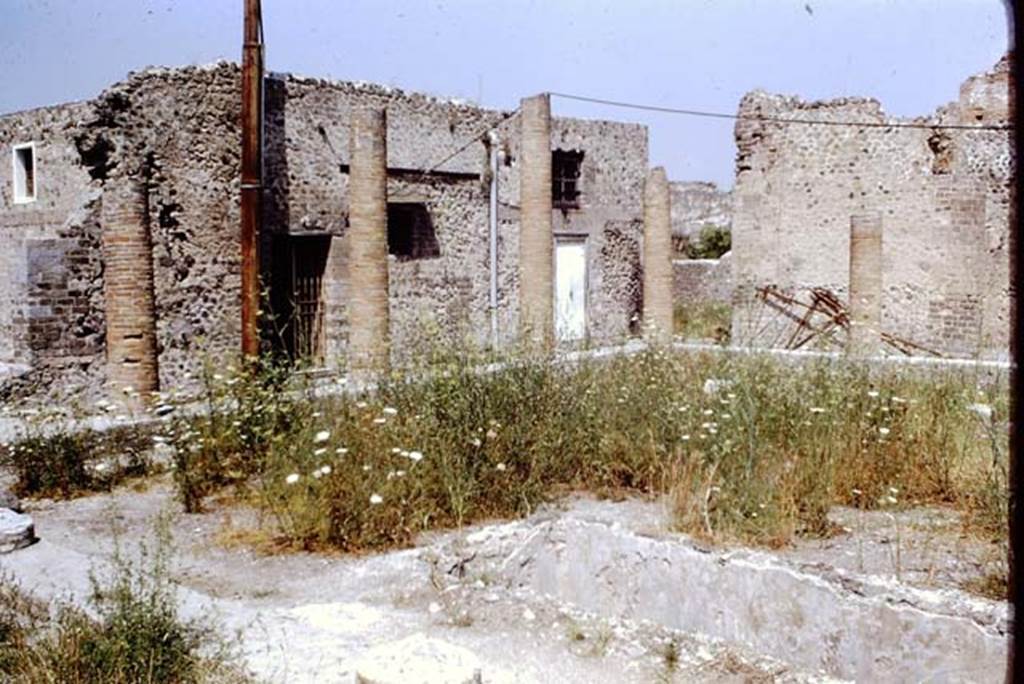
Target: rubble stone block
{"x": 16, "y": 531}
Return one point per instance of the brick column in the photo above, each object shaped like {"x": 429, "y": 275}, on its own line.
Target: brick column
{"x": 536, "y": 243}
{"x": 128, "y": 286}
{"x": 368, "y": 242}
{"x": 657, "y": 256}
{"x": 865, "y": 285}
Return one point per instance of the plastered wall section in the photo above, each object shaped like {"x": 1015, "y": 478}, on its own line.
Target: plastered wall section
{"x": 943, "y": 196}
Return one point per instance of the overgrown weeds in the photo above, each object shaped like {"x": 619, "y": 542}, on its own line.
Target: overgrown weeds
{"x": 703, "y": 321}
{"x": 64, "y": 463}
{"x": 132, "y": 634}
{"x": 747, "y": 448}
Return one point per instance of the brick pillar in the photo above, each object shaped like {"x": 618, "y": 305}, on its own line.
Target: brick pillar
{"x": 536, "y": 243}
{"x": 368, "y": 241}
{"x": 128, "y": 286}
{"x": 657, "y": 256}
{"x": 865, "y": 284}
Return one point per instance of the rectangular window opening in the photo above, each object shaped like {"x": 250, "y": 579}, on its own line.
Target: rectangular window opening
{"x": 411, "y": 232}
{"x": 565, "y": 178}
{"x": 24, "y": 159}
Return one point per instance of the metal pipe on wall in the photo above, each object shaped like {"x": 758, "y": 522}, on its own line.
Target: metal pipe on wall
{"x": 492, "y": 145}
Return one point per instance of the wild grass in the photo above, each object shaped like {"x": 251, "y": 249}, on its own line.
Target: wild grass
{"x": 131, "y": 634}
{"x": 703, "y": 321}
{"x": 747, "y": 449}
{"x": 64, "y": 463}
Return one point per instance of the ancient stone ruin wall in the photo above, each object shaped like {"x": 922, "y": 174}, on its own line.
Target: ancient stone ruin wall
{"x": 943, "y": 196}
{"x": 445, "y": 298}
{"x": 610, "y": 219}
{"x": 696, "y": 204}
{"x": 702, "y": 281}
{"x": 51, "y": 278}
{"x": 177, "y": 131}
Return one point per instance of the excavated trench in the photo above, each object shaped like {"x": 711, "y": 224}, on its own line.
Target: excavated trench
{"x": 586, "y": 591}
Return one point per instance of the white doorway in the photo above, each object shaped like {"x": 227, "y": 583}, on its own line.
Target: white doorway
{"x": 570, "y": 289}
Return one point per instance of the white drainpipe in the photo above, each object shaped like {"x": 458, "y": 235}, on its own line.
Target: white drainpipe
{"x": 493, "y": 221}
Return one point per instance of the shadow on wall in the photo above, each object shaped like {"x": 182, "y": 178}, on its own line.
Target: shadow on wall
{"x": 276, "y": 215}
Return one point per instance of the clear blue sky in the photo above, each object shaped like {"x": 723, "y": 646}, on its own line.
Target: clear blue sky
{"x": 910, "y": 54}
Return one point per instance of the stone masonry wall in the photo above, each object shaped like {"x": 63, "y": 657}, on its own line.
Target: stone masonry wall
{"x": 51, "y": 282}
{"x": 943, "y": 196}
{"x": 700, "y": 281}
{"x": 447, "y": 296}
{"x": 179, "y": 128}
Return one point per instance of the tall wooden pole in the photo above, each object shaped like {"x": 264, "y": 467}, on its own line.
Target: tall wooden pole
{"x": 252, "y": 173}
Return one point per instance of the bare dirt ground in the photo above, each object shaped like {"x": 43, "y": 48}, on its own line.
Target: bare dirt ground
{"x": 922, "y": 547}
{"x": 303, "y": 617}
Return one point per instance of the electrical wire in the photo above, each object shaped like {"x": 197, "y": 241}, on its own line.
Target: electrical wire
{"x": 476, "y": 138}
{"x": 782, "y": 119}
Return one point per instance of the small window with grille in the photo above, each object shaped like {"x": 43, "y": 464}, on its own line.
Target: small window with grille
{"x": 565, "y": 178}
{"x": 24, "y": 159}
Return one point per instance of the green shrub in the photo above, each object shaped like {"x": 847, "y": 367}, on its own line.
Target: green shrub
{"x": 133, "y": 636}
{"x": 248, "y": 414}
{"x": 712, "y": 243}
{"x": 67, "y": 463}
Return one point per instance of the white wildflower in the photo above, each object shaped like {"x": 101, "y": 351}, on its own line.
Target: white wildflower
{"x": 396, "y": 450}
{"x": 390, "y": 411}
{"x": 415, "y": 456}
{"x": 376, "y": 499}
{"x": 319, "y": 452}
{"x": 501, "y": 467}
{"x": 873, "y": 394}
{"x": 361, "y": 404}
{"x": 321, "y": 437}
{"x": 341, "y": 451}
{"x": 714, "y": 385}
{"x": 380, "y": 421}
{"x": 491, "y": 434}
{"x": 326, "y": 470}
{"x": 817, "y": 409}
{"x": 981, "y": 410}
{"x": 686, "y": 438}
{"x": 708, "y": 412}
{"x": 475, "y": 441}
{"x": 292, "y": 479}
{"x": 884, "y": 431}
